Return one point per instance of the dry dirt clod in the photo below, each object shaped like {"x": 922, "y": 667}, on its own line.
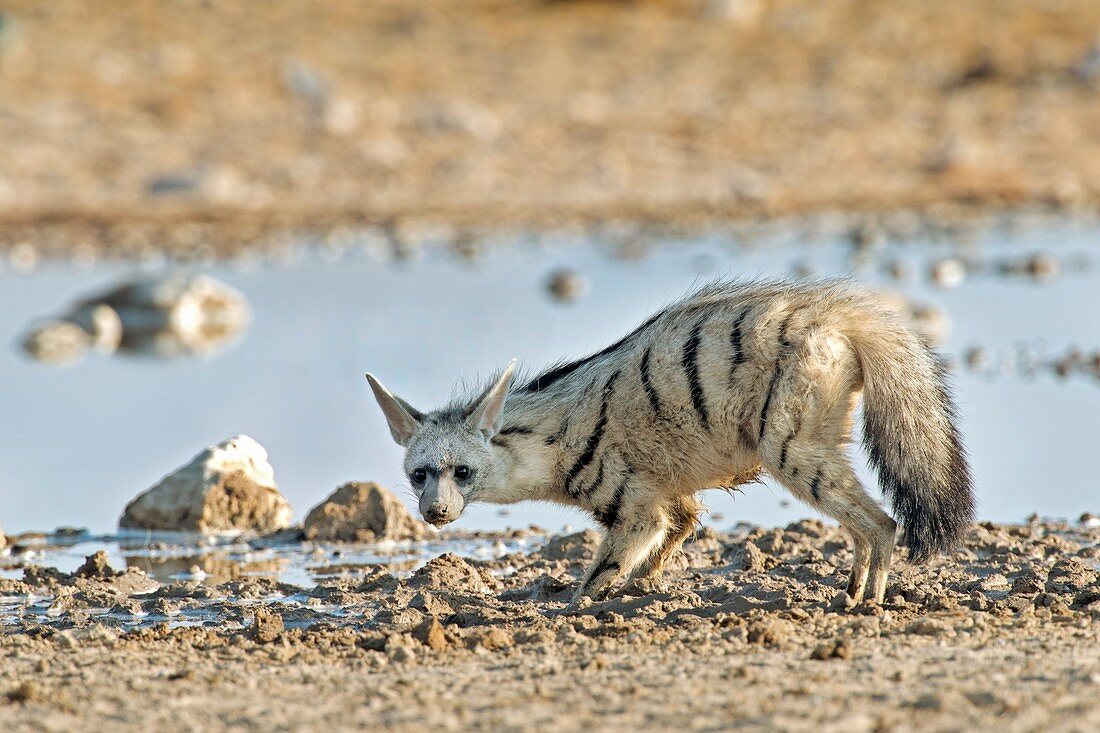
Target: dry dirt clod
{"x": 929, "y": 627}
{"x": 749, "y": 558}
{"x": 429, "y": 604}
{"x": 451, "y": 573}
{"x": 96, "y": 566}
{"x": 769, "y": 632}
{"x": 576, "y": 547}
{"x": 493, "y": 638}
{"x": 362, "y": 512}
{"x": 431, "y": 634}
{"x": 267, "y": 625}
{"x": 1070, "y": 575}
{"x": 595, "y": 662}
{"x": 28, "y": 691}
{"x": 638, "y": 588}
{"x": 835, "y": 649}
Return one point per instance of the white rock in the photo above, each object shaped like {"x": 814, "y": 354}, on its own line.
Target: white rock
{"x": 230, "y": 486}
{"x": 102, "y": 323}
{"x": 57, "y": 342}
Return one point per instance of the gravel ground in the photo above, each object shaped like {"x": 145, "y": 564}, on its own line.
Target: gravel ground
{"x": 751, "y": 633}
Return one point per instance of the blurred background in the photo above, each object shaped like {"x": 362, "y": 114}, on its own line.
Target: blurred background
{"x": 135, "y": 117}
{"x": 215, "y": 216}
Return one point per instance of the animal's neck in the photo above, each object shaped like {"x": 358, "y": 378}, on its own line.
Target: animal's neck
{"x": 527, "y": 448}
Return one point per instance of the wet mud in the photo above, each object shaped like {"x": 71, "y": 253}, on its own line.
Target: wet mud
{"x": 750, "y": 629}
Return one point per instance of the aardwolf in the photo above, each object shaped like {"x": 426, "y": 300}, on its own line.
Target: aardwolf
{"x": 734, "y": 380}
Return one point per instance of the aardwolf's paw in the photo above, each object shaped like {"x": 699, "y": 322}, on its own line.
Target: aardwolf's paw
{"x": 579, "y": 603}
{"x": 640, "y": 587}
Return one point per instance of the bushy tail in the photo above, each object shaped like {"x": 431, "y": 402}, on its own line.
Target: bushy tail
{"x": 909, "y": 432}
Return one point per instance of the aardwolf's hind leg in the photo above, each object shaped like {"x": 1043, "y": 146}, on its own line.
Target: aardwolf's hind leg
{"x": 827, "y": 483}
{"x": 803, "y": 447}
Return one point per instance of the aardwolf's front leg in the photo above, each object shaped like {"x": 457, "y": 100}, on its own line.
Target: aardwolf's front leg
{"x": 683, "y": 515}
{"x": 638, "y": 532}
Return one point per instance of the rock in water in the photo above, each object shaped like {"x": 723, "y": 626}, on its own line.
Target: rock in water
{"x": 181, "y": 315}
{"x": 362, "y": 512}
{"x": 178, "y": 315}
{"x": 230, "y": 486}
{"x": 57, "y": 342}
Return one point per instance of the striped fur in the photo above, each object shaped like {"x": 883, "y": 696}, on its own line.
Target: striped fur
{"x": 733, "y": 380}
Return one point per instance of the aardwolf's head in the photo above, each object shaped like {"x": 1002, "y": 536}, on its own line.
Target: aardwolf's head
{"x": 447, "y": 455}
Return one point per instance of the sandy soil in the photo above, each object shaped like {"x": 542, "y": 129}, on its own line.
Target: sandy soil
{"x": 749, "y": 633}
{"x": 140, "y": 124}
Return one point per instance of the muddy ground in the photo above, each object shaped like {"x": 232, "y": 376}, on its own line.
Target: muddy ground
{"x": 751, "y": 632}
{"x": 207, "y": 126}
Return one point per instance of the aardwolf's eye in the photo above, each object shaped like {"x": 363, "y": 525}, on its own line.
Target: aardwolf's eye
{"x": 463, "y": 472}
{"x": 419, "y": 476}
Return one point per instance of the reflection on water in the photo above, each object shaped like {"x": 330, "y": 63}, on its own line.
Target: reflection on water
{"x": 212, "y": 567}
{"x": 85, "y": 441}
{"x": 185, "y": 557}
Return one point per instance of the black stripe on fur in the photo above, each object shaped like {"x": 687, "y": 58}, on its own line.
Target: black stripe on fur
{"x": 593, "y": 441}
{"x": 690, "y": 363}
{"x": 647, "y": 383}
{"x": 555, "y": 373}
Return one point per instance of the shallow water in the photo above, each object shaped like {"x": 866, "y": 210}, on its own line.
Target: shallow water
{"x": 183, "y": 557}
{"x": 192, "y": 560}
{"x": 77, "y": 443}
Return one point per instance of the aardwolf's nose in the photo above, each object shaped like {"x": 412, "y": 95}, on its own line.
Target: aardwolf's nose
{"x": 438, "y": 514}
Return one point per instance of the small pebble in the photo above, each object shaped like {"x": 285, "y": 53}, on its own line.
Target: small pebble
{"x": 566, "y": 285}
{"x": 1042, "y": 267}
{"x": 948, "y": 272}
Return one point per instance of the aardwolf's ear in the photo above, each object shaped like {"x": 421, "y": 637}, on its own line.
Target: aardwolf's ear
{"x": 403, "y": 418}
{"x": 487, "y": 413}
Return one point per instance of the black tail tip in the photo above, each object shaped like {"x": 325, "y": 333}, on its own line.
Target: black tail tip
{"x": 933, "y": 527}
